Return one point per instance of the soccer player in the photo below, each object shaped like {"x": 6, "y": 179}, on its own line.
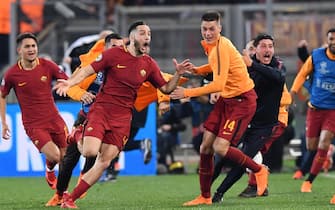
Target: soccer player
{"x": 231, "y": 113}
{"x": 320, "y": 125}
{"x": 107, "y": 129}
{"x": 268, "y": 75}
{"x": 31, "y": 79}
{"x": 85, "y": 92}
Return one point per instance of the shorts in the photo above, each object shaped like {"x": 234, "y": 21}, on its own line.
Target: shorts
{"x": 55, "y": 131}
{"x": 319, "y": 119}
{"x": 230, "y": 116}
{"x": 110, "y": 127}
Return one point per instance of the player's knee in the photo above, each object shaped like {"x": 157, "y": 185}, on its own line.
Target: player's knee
{"x": 89, "y": 153}
{"x": 54, "y": 157}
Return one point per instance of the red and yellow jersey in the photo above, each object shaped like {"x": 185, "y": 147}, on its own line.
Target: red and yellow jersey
{"x": 124, "y": 75}
{"x": 33, "y": 91}
{"x": 230, "y": 74}
{"x": 146, "y": 94}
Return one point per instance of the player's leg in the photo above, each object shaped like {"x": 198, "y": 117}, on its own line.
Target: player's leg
{"x": 254, "y": 139}
{"x": 145, "y": 145}
{"x": 326, "y": 138}
{"x": 107, "y": 153}
{"x": 70, "y": 160}
{"x": 52, "y": 156}
{"x": 206, "y": 167}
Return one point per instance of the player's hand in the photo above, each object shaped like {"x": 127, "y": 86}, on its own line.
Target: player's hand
{"x": 302, "y": 43}
{"x": 5, "y": 132}
{"x": 163, "y": 107}
{"x": 214, "y": 97}
{"x": 183, "y": 67}
{"x": 246, "y": 58}
{"x": 87, "y": 98}
{"x": 178, "y": 93}
{"x": 61, "y": 87}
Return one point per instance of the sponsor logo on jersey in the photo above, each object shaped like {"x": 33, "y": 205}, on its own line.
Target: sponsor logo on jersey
{"x": 120, "y": 66}
{"x": 20, "y": 84}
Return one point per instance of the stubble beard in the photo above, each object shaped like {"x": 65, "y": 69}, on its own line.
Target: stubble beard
{"x": 137, "y": 48}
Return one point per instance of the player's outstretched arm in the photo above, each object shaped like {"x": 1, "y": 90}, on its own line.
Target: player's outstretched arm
{"x": 62, "y": 86}
{"x": 181, "y": 68}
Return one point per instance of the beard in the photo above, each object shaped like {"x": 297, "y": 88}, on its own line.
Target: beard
{"x": 138, "y": 48}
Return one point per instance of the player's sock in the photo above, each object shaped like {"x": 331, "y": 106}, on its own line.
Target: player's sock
{"x": 80, "y": 189}
{"x": 60, "y": 192}
{"x": 318, "y": 161}
{"x": 50, "y": 165}
{"x": 89, "y": 162}
{"x": 306, "y": 167}
{"x": 241, "y": 159}
{"x": 206, "y": 168}
{"x": 252, "y": 179}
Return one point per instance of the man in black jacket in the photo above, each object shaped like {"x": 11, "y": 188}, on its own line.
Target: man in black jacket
{"x": 268, "y": 75}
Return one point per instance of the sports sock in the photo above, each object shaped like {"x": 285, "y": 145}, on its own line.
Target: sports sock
{"x": 252, "y": 179}
{"x": 80, "y": 189}
{"x": 218, "y": 165}
{"x": 89, "y": 162}
{"x": 50, "y": 165}
{"x": 206, "y": 168}
{"x": 232, "y": 177}
{"x": 241, "y": 159}
{"x": 60, "y": 192}
{"x": 307, "y": 162}
{"x": 318, "y": 161}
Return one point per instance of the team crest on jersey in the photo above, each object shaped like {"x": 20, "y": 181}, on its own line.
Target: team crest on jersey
{"x": 143, "y": 72}
{"x": 36, "y": 142}
{"x": 98, "y": 58}
{"x": 89, "y": 129}
{"x": 3, "y": 82}
{"x": 44, "y": 78}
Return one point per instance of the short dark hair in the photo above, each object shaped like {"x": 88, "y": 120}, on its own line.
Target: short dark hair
{"x": 332, "y": 30}
{"x": 26, "y": 35}
{"x": 112, "y": 36}
{"x": 260, "y": 37}
{"x": 134, "y": 25}
{"x": 211, "y": 16}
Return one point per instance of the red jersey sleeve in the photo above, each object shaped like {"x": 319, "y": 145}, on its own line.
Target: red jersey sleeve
{"x": 102, "y": 61}
{"x": 56, "y": 72}
{"x": 156, "y": 78}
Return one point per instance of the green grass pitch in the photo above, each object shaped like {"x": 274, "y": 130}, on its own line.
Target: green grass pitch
{"x": 169, "y": 192}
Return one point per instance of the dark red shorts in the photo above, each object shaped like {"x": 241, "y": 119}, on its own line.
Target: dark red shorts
{"x": 230, "y": 116}
{"x": 108, "y": 126}
{"x": 56, "y": 131}
{"x": 319, "y": 119}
